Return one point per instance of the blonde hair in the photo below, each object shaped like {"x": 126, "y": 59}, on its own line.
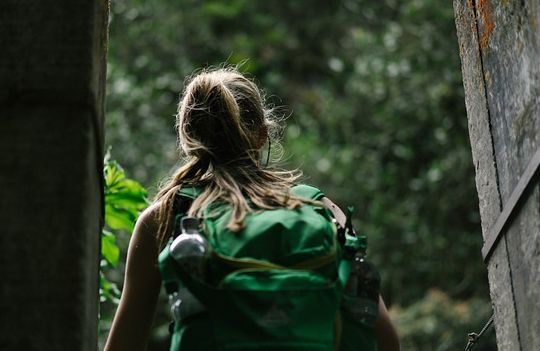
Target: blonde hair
{"x": 222, "y": 123}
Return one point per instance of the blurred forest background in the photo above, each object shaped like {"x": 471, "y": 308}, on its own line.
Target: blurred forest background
{"x": 377, "y": 120}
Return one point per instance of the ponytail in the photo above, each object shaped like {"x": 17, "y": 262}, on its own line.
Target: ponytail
{"x": 221, "y": 120}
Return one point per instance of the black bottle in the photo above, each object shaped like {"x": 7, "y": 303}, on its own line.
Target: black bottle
{"x": 361, "y": 298}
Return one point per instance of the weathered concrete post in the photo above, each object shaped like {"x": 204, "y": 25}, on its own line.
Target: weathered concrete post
{"x": 52, "y": 73}
{"x": 500, "y": 54}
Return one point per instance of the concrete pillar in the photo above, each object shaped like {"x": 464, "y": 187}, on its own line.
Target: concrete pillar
{"x": 500, "y": 54}
{"x": 52, "y": 74}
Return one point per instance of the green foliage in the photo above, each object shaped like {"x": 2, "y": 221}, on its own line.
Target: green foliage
{"x": 108, "y": 291}
{"x": 124, "y": 199}
{"x": 109, "y": 250}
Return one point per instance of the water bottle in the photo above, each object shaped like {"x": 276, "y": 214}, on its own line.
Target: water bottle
{"x": 361, "y": 300}
{"x": 191, "y": 250}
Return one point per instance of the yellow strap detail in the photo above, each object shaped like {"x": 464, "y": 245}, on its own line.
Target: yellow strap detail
{"x": 312, "y": 263}
{"x": 320, "y": 261}
{"x": 316, "y": 262}
{"x": 246, "y": 263}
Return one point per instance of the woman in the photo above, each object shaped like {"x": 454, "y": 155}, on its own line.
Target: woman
{"x": 222, "y": 125}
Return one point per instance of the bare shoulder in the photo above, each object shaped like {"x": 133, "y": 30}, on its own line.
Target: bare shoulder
{"x": 149, "y": 217}
{"x": 143, "y": 243}
{"x": 147, "y": 224}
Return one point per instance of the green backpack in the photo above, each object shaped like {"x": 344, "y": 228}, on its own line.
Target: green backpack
{"x": 276, "y": 285}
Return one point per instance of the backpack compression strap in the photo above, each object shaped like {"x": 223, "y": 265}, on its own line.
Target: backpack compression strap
{"x": 311, "y": 192}
{"x": 338, "y": 214}
{"x": 181, "y": 206}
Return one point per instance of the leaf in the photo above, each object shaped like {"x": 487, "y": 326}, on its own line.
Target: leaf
{"x": 126, "y": 185}
{"x": 109, "y": 250}
{"x": 124, "y": 197}
{"x": 108, "y": 291}
{"x": 120, "y": 218}
{"x": 127, "y": 201}
{"x": 127, "y": 194}
{"x": 229, "y": 10}
{"x": 113, "y": 174}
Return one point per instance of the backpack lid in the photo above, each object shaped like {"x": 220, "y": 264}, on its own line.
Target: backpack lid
{"x": 280, "y": 236}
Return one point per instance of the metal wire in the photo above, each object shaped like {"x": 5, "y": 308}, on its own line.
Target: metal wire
{"x": 473, "y": 337}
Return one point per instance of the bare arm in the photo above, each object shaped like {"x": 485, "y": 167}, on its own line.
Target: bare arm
{"x": 387, "y": 338}
{"x": 133, "y": 320}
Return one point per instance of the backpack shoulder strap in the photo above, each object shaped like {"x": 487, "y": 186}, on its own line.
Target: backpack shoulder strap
{"x": 338, "y": 214}
{"x": 190, "y": 192}
{"x": 314, "y": 193}
{"x": 182, "y": 202}
{"x": 307, "y": 191}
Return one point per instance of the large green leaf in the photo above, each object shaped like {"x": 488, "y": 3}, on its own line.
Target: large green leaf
{"x": 113, "y": 173}
{"x": 124, "y": 197}
{"x": 109, "y": 250}
{"x": 120, "y": 218}
{"x": 127, "y": 194}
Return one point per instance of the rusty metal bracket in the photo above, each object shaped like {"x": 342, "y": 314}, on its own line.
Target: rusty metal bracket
{"x": 511, "y": 205}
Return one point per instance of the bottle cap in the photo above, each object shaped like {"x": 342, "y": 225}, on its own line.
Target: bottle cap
{"x": 190, "y": 224}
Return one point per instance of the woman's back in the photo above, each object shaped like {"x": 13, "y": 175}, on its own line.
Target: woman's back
{"x": 222, "y": 125}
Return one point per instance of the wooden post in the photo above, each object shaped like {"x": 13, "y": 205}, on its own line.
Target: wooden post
{"x": 500, "y": 53}
{"x": 52, "y": 74}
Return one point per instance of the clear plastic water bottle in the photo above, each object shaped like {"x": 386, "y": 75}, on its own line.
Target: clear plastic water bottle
{"x": 361, "y": 300}
{"x": 191, "y": 250}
